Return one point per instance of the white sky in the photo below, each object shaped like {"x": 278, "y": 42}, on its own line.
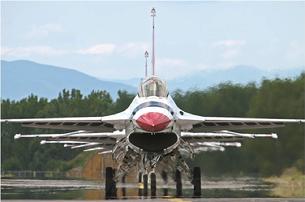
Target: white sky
{"x": 108, "y": 40}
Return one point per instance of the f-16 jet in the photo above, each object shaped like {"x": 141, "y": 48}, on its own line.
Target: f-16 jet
{"x": 152, "y": 129}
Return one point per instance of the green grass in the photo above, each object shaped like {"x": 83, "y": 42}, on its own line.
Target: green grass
{"x": 290, "y": 184}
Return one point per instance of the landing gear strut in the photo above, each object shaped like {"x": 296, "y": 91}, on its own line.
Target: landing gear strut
{"x": 178, "y": 183}
{"x": 153, "y": 185}
{"x": 145, "y": 183}
{"x": 110, "y": 184}
{"x": 140, "y": 191}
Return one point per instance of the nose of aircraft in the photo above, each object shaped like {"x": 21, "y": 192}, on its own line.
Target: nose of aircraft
{"x": 153, "y": 121}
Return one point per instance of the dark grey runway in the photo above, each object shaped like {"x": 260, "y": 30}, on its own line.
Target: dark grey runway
{"x": 216, "y": 190}
{"x": 183, "y": 200}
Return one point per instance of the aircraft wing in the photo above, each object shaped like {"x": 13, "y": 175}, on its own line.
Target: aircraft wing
{"x": 194, "y": 123}
{"x": 98, "y": 124}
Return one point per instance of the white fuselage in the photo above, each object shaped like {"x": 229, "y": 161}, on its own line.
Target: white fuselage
{"x": 152, "y": 126}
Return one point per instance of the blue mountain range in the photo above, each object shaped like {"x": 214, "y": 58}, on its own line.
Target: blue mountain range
{"x": 241, "y": 74}
{"x": 21, "y": 78}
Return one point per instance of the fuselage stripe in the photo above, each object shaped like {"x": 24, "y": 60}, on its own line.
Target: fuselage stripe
{"x": 152, "y": 104}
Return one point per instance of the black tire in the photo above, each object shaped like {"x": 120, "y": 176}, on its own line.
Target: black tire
{"x": 140, "y": 190}
{"x": 110, "y": 184}
{"x": 153, "y": 185}
{"x": 145, "y": 183}
{"x": 178, "y": 183}
{"x": 197, "y": 181}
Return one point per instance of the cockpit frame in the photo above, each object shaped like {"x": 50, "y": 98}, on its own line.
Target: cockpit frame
{"x": 153, "y": 86}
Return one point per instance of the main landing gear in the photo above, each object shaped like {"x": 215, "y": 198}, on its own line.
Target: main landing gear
{"x": 197, "y": 182}
{"x": 110, "y": 184}
{"x": 111, "y": 191}
{"x": 178, "y": 181}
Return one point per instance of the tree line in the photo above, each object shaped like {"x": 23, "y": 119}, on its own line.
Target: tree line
{"x": 277, "y": 98}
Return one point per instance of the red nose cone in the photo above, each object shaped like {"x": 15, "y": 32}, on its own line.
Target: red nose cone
{"x": 153, "y": 121}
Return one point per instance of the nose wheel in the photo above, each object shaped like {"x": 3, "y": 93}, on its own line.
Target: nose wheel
{"x": 153, "y": 185}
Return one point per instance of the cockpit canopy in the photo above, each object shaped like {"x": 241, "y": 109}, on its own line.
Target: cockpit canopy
{"x": 153, "y": 86}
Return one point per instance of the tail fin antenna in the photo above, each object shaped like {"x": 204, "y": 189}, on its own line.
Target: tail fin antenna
{"x": 153, "y": 14}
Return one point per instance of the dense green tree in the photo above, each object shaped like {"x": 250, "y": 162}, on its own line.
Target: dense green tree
{"x": 123, "y": 101}
{"x": 280, "y": 98}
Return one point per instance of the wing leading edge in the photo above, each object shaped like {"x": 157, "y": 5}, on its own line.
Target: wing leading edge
{"x": 96, "y": 124}
{"x": 194, "y": 123}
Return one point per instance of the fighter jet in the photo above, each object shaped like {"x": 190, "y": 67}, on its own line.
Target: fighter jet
{"x": 152, "y": 129}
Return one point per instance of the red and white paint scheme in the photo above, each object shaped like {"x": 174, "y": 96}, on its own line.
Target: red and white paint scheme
{"x": 153, "y": 119}
{"x": 152, "y": 127}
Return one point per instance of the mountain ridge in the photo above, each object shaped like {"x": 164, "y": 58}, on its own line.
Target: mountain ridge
{"x": 240, "y": 74}
{"x": 20, "y": 78}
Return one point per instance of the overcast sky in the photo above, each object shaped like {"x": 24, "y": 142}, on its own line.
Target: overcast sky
{"x": 108, "y": 40}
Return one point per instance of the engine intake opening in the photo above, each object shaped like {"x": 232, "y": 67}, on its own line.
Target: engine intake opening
{"x": 153, "y": 142}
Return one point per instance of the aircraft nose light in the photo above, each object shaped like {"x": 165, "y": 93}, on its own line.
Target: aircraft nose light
{"x": 153, "y": 121}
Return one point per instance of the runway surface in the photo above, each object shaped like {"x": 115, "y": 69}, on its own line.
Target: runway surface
{"x": 183, "y": 200}
{"x": 218, "y": 190}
